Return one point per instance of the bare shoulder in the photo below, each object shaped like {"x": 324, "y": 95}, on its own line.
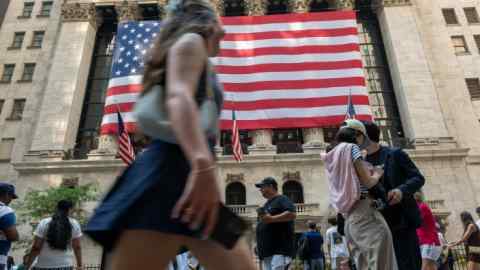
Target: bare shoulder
{"x": 190, "y": 44}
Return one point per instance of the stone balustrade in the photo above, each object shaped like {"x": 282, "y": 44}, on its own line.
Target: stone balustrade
{"x": 250, "y": 211}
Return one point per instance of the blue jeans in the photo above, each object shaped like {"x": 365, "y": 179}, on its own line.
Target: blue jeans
{"x": 313, "y": 264}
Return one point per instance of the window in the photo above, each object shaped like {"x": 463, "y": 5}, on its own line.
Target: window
{"x": 17, "y": 40}
{"x": 17, "y": 111}
{"x": 46, "y": 9}
{"x": 477, "y": 41}
{"x": 8, "y": 70}
{"x": 2, "y": 102}
{"x": 450, "y": 16}
{"x": 459, "y": 45}
{"x": 473, "y": 85}
{"x": 288, "y": 140}
{"x": 294, "y": 191}
{"x": 27, "y": 10}
{"x": 235, "y": 194}
{"x": 6, "y": 147}
{"x": 472, "y": 15}
{"x": 28, "y": 71}
{"x": 37, "y": 39}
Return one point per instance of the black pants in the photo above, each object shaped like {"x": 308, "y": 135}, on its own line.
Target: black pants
{"x": 407, "y": 249}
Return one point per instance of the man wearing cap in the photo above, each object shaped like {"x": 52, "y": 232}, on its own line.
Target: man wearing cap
{"x": 401, "y": 180}
{"x": 8, "y": 230}
{"x": 275, "y": 230}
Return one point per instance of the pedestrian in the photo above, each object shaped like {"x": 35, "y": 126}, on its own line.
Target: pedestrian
{"x": 336, "y": 245}
{"x": 401, "y": 180}
{"x": 8, "y": 228}
{"x": 349, "y": 179}
{"x": 56, "y": 240}
{"x": 312, "y": 242}
{"x": 168, "y": 197}
{"x": 478, "y": 214}
{"x": 445, "y": 258}
{"x": 471, "y": 239}
{"x": 275, "y": 229}
{"x": 430, "y": 245}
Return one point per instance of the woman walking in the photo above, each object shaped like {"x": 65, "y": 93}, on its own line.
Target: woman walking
{"x": 430, "y": 246}
{"x": 169, "y": 197}
{"x": 54, "y": 240}
{"x": 349, "y": 180}
{"x": 471, "y": 239}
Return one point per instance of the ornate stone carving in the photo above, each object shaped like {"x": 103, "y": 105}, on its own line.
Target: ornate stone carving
{"x": 219, "y": 6}
{"x": 345, "y": 4}
{"x": 77, "y": 12}
{"x": 235, "y": 178}
{"x": 299, "y": 6}
{"x": 256, "y": 7}
{"x": 291, "y": 176}
{"x": 127, "y": 11}
{"x": 389, "y": 3}
{"x": 162, "y": 6}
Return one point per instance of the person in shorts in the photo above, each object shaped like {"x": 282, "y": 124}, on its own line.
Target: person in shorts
{"x": 430, "y": 246}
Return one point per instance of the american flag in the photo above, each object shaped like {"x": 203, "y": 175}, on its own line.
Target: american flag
{"x": 351, "y": 114}
{"x": 278, "y": 71}
{"x": 236, "y": 144}
{"x": 125, "y": 147}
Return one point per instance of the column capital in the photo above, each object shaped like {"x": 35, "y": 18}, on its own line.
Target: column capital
{"x": 256, "y": 7}
{"x": 345, "y": 4}
{"x": 391, "y": 3}
{"x": 299, "y": 6}
{"x": 79, "y": 12}
{"x": 219, "y": 6}
{"x": 162, "y": 7}
{"x": 127, "y": 11}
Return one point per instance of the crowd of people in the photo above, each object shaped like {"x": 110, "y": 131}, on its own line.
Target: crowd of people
{"x": 168, "y": 199}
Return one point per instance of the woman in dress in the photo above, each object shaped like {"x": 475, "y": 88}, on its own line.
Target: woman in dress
{"x": 471, "y": 239}
{"x": 159, "y": 203}
{"x": 56, "y": 240}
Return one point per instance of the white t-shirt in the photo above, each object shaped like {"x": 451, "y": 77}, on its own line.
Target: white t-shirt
{"x": 337, "y": 242}
{"x": 54, "y": 258}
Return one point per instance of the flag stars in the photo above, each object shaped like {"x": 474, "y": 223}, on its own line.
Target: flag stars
{"x": 132, "y": 31}
{"x": 146, "y": 40}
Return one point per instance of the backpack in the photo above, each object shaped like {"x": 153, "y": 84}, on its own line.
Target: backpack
{"x": 304, "y": 248}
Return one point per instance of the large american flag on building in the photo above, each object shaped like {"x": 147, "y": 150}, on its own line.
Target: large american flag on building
{"x": 278, "y": 71}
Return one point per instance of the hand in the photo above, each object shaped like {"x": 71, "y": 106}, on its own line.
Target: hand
{"x": 267, "y": 219}
{"x": 199, "y": 203}
{"x": 395, "y": 196}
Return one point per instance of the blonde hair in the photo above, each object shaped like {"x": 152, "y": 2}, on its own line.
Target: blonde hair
{"x": 184, "y": 16}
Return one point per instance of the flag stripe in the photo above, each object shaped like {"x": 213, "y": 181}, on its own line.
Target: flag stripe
{"x": 284, "y": 59}
{"x": 313, "y": 49}
{"x": 310, "y": 66}
{"x": 308, "y": 33}
{"x": 293, "y": 85}
{"x": 289, "y": 42}
{"x": 292, "y": 18}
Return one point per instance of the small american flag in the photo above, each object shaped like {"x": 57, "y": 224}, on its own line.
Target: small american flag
{"x": 125, "y": 147}
{"x": 236, "y": 144}
{"x": 351, "y": 114}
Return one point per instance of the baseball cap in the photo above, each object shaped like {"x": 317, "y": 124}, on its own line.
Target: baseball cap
{"x": 268, "y": 181}
{"x": 356, "y": 125}
{"x": 8, "y": 189}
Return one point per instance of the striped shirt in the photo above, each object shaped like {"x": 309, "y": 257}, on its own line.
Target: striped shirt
{"x": 357, "y": 155}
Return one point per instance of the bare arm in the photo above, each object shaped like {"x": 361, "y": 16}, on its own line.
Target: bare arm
{"x": 35, "y": 250}
{"x": 364, "y": 175}
{"x": 186, "y": 61}
{"x": 77, "y": 249}
{"x": 471, "y": 229}
{"x": 12, "y": 234}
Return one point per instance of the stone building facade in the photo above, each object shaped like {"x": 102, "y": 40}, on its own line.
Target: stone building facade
{"x": 422, "y": 65}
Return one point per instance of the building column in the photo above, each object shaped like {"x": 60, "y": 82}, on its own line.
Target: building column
{"x": 415, "y": 90}
{"x": 262, "y": 139}
{"x": 108, "y": 143}
{"x": 313, "y": 137}
{"x": 62, "y": 103}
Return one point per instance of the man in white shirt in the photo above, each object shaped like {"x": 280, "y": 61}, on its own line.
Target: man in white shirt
{"x": 337, "y": 245}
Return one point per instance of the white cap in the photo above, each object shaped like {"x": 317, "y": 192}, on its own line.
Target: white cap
{"x": 356, "y": 125}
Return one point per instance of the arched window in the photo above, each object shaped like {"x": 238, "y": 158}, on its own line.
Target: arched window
{"x": 294, "y": 191}
{"x": 235, "y": 194}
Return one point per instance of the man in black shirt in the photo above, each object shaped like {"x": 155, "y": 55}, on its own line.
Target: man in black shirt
{"x": 401, "y": 180}
{"x": 275, "y": 229}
